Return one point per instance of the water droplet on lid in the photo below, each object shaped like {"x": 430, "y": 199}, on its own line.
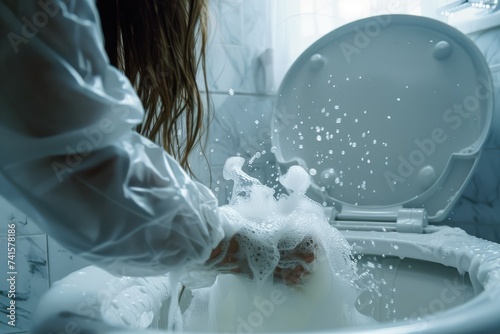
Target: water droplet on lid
{"x": 231, "y": 91}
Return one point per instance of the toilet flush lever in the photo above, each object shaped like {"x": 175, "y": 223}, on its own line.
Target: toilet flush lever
{"x": 411, "y": 220}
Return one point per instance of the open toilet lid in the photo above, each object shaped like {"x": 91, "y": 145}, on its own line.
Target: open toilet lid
{"x": 385, "y": 113}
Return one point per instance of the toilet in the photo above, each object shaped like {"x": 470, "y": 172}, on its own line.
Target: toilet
{"x": 388, "y": 115}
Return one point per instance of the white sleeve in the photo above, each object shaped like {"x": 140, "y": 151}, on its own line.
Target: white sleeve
{"x": 70, "y": 159}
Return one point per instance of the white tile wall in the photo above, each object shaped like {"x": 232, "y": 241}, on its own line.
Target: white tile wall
{"x": 241, "y": 127}
{"x": 240, "y": 83}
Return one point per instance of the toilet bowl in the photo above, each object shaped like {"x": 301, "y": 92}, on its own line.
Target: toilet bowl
{"x": 388, "y": 115}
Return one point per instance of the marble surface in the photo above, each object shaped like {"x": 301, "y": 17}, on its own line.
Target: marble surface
{"x": 10, "y": 214}
{"x": 61, "y": 261}
{"x": 32, "y": 277}
{"x": 39, "y": 262}
{"x": 31, "y": 280}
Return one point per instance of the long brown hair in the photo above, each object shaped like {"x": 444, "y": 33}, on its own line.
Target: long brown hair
{"x": 160, "y": 45}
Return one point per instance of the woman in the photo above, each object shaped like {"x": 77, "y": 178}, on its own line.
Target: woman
{"x": 71, "y": 159}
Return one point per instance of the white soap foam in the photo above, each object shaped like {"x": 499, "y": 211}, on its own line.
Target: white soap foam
{"x": 268, "y": 229}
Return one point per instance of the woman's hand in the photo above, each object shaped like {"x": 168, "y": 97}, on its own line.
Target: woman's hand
{"x": 301, "y": 257}
{"x": 230, "y": 259}
{"x": 291, "y": 269}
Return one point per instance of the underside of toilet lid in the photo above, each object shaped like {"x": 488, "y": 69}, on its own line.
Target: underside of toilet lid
{"x": 386, "y": 112}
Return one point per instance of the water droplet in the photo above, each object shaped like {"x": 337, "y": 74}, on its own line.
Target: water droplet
{"x": 339, "y": 120}
{"x": 312, "y": 171}
{"x": 318, "y": 138}
{"x": 256, "y": 122}
{"x": 231, "y": 91}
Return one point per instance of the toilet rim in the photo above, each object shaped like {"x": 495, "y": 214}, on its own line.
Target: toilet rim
{"x": 477, "y": 257}
{"x": 482, "y": 309}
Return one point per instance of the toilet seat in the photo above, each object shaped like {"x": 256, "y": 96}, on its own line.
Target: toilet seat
{"x": 388, "y": 114}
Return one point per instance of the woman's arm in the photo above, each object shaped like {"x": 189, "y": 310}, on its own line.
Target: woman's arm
{"x": 70, "y": 159}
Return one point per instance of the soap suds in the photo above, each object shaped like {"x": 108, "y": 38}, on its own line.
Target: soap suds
{"x": 274, "y": 233}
